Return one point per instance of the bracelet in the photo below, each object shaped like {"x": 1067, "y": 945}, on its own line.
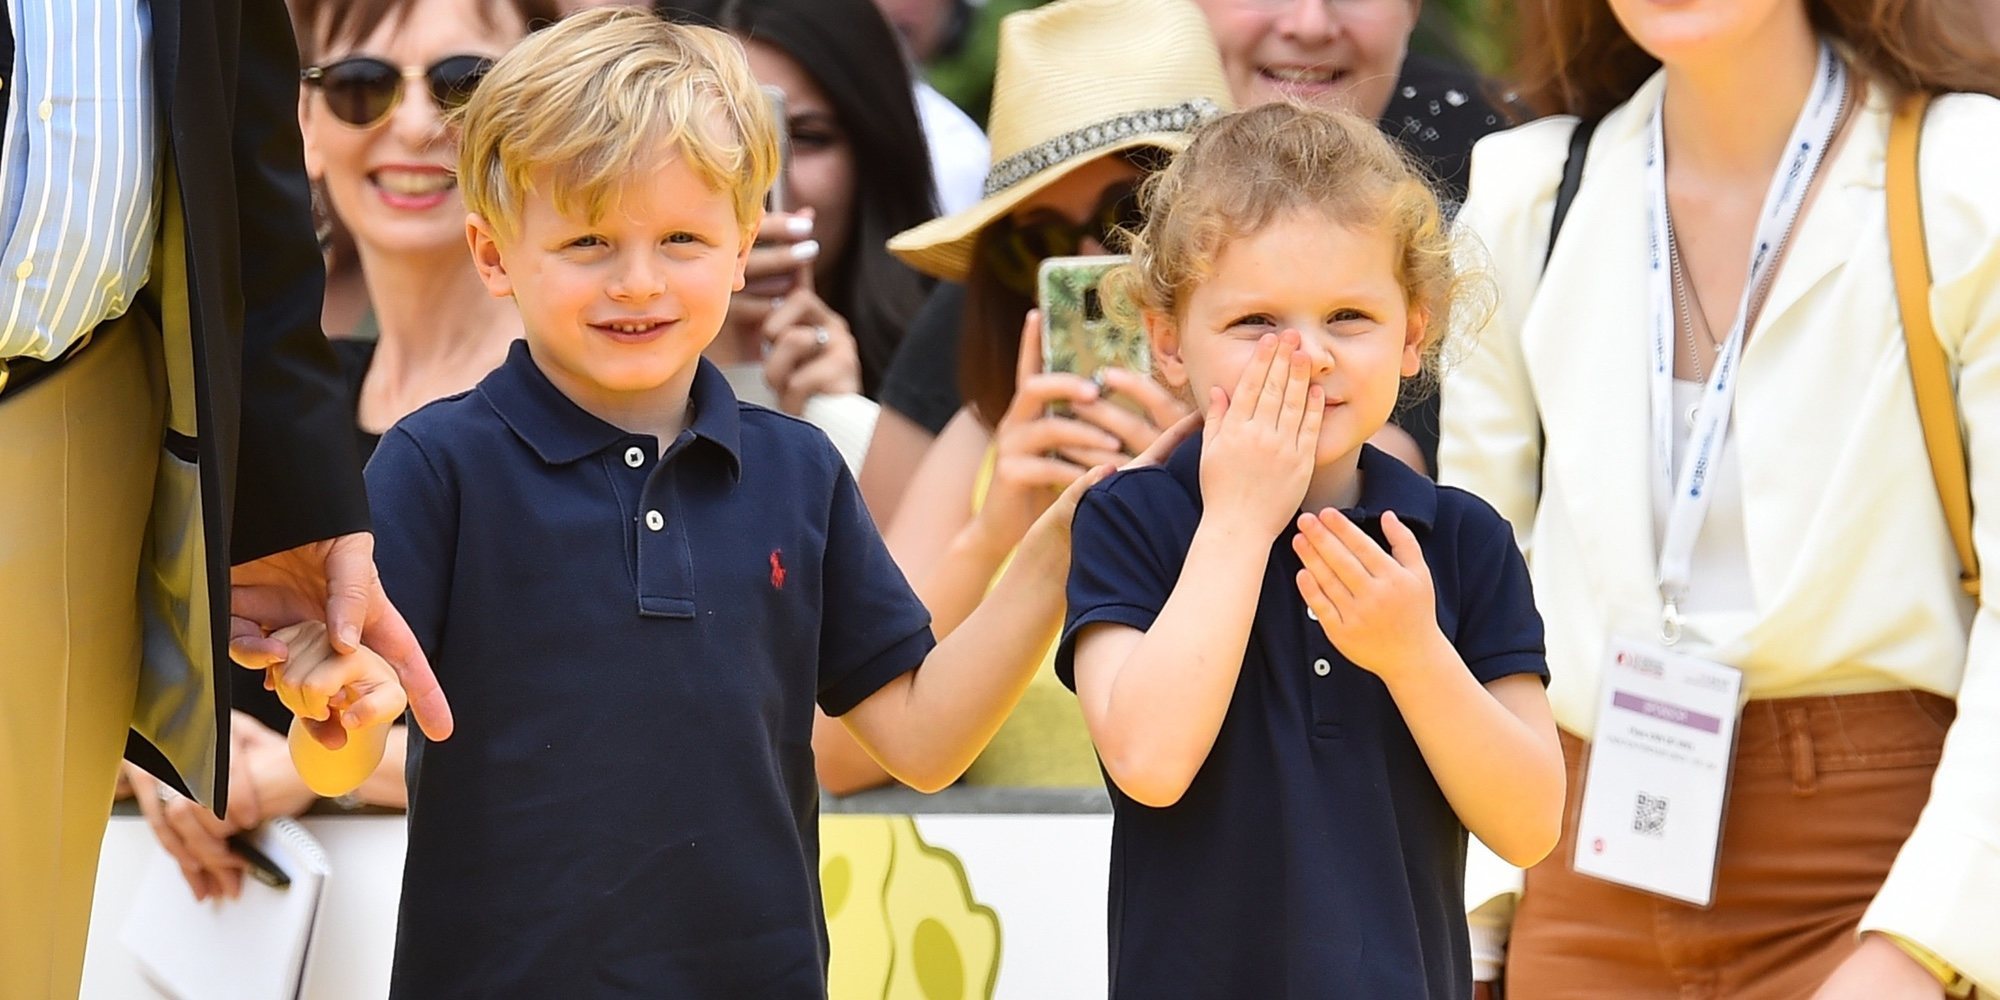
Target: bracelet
{"x": 1956, "y": 984}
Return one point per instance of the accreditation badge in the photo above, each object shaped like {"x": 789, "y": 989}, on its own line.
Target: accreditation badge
{"x": 1657, "y": 779}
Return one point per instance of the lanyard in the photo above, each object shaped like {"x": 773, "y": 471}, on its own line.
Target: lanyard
{"x": 1687, "y": 504}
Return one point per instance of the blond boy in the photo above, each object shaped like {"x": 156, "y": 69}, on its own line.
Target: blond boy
{"x": 636, "y": 587}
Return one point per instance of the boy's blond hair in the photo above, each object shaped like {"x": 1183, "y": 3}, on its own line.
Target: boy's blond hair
{"x": 1244, "y": 170}
{"x": 585, "y": 104}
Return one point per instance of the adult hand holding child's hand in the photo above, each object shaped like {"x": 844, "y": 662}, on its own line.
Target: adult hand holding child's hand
{"x": 337, "y": 698}
{"x": 1258, "y": 444}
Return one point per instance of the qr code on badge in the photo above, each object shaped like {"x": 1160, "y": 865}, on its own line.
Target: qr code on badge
{"x": 1649, "y": 815}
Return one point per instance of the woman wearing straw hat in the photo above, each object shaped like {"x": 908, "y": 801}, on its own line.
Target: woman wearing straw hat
{"x": 1353, "y": 54}
{"x": 1089, "y": 96}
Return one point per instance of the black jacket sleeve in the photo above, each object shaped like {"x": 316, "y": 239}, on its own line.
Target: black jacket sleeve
{"x": 298, "y": 477}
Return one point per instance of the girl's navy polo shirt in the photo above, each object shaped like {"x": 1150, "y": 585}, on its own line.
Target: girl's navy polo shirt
{"x": 1314, "y": 855}
{"x": 632, "y": 647}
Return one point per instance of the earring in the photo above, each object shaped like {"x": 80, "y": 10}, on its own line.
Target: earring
{"x": 322, "y": 215}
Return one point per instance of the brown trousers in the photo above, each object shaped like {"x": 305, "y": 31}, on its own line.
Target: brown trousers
{"x": 1825, "y": 791}
{"x": 78, "y": 451}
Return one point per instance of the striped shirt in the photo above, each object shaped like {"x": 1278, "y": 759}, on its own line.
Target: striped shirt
{"x": 79, "y": 171}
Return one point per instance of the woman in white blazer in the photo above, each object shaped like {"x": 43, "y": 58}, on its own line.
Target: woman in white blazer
{"x": 1821, "y": 567}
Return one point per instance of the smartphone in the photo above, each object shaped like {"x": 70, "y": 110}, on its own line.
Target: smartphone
{"x": 1081, "y": 333}
{"x": 780, "y": 197}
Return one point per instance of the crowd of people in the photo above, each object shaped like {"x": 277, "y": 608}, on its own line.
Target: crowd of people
{"x": 690, "y": 359}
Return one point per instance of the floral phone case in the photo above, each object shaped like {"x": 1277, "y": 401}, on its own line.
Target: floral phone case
{"x": 1081, "y": 333}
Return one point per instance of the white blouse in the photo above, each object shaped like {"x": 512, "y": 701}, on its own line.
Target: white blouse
{"x": 1848, "y": 580}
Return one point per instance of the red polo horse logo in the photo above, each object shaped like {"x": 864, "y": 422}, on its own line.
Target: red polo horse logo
{"x": 777, "y": 569}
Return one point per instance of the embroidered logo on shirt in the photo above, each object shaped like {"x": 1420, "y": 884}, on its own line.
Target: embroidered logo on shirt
{"x": 777, "y": 569}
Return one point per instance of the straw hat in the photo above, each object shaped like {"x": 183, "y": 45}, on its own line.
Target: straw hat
{"x": 1077, "y": 80}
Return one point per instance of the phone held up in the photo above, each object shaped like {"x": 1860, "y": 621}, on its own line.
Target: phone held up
{"x": 1081, "y": 333}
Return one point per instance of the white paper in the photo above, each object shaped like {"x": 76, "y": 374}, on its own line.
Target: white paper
{"x": 252, "y": 948}
{"x": 1658, "y": 778}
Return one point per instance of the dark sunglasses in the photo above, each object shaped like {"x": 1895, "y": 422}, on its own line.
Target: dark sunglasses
{"x": 363, "y": 91}
{"x": 1016, "y": 253}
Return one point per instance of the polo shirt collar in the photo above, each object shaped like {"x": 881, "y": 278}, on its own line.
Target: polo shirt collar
{"x": 560, "y": 432}
{"x": 1386, "y": 484}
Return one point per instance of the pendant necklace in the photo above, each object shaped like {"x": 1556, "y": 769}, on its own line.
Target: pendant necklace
{"x": 1687, "y": 317}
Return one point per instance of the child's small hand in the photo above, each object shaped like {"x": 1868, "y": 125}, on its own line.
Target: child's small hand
{"x": 1258, "y": 444}
{"x": 1378, "y": 608}
{"x": 333, "y": 693}
{"x": 1050, "y": 533}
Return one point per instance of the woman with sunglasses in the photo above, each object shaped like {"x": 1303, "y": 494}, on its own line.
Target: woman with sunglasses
{"x": 380, "y": 77}
{"x": 1090, "y": 96}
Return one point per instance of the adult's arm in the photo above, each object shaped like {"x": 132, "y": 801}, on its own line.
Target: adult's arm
{"x": 299, "y": 515}
{"x": 298, "y": 476}
{"x": 1943, "y": 892}
{"x": 1490, "y": 433}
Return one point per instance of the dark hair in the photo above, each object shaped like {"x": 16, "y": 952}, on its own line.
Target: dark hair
{"x": 1573, "y": 57}
{"x": 322, "y": 23}
{"x": 850, "y": 51}
{"x": 990, "y": 339}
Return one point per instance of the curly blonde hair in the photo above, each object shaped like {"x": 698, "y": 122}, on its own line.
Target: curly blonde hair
{"x": 1244, "y": 170}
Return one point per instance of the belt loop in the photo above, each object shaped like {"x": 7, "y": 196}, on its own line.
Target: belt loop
{"x": 1799, "y": 742}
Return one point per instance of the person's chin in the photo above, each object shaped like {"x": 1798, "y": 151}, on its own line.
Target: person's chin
{"x": 1329, "y": 95}
{"x": 637, "y": 378}
{"x": 404, "y": 237}
{"x": 1337, "y": 441}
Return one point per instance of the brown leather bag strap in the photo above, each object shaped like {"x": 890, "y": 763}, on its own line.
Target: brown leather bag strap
{"x": 1936, "y": 407}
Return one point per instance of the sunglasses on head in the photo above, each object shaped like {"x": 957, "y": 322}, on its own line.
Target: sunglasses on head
{"x": 363, "y": 91}
{"x": 1017, "y": 254}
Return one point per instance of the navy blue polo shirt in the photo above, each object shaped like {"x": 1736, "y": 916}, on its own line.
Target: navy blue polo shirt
{"x": 1314, "y": 855}
{"x": 632, "y": 645}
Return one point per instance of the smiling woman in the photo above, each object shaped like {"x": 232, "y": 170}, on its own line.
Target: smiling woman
{"x": 381, "y": 76}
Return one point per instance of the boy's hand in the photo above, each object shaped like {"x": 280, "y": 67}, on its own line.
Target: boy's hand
{"x": 333, "y": 693}
{"x": 1054, "y": 523}
{"x": 1258, "y": 444}
{"x": 1378, "y": 608}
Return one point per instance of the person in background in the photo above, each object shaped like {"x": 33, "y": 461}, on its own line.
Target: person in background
{"x": 1353, "y": 55}
{"x": 1857, "y": 856}
{"x": 377, "y": 144}
{"x": 380, "y": 81}
{"x": 825, "y": 305}
{"x": 1091, "y": 95}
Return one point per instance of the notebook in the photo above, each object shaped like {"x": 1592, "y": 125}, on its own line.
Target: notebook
{"x": 251, "y": 948}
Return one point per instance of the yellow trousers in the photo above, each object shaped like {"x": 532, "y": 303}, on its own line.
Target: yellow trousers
{"x": 78, "y": 453}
